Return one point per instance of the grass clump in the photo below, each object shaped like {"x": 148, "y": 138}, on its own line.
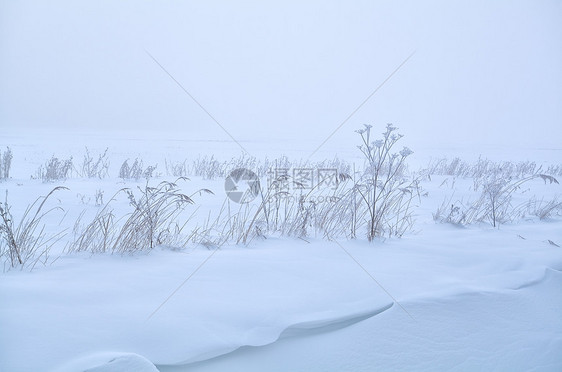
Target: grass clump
{"x": 495, "y": 203}
{"x": 25, "y": 243}
{"x": 95, "y": 167}
{"x": 55, "y": 169}
{"x": 136, "y": 171}
{"x": 154, "y": 221}
{"x": 5, "y": 164}
{"x": 384, "y": 189}
{"x": 377, "y": 200}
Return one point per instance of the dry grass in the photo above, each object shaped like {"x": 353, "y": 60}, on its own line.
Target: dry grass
{"x": 495, "y": 203}
{"x": 375, "y": 201}
{"x": 153, "y": 221}
{"x": 5, "y": 164}
{"x": 94, "y": 167}
{"x": 55, "y": 169}
{"x": 136, "y": 171}
{"x": 384, "y": 189}
{"x": 484, "y": 167}
{"x": 26, "y": 243}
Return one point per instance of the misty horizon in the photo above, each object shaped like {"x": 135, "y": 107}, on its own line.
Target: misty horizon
{"x": 481, "y": 73}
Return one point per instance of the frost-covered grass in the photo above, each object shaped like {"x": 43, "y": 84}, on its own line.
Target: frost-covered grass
{"x": 375, "y": 197}
{"x": 24, "y": 243}
{"x": 495, "y": 201}
{"x": 374, "y": 201}
{"x": 485, "y": 167}
{"x": 5, "y": 163}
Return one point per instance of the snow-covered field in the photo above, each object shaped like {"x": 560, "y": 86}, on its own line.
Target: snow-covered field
{"x": 123, "y": 242}
{"x": 442, "y": 297}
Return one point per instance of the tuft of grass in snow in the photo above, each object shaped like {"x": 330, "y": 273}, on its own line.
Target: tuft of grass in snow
{"x": 93, "y": 167}
{"x": 543, "y": 209}
{"x": 99, "y": 235}
{"x": 24, "y": 244}
{"x": 495, "y": 202}
{"x": 136, "y": 171}
{"x": 176, "y": 168}
{"x": 5, "y": 164}
{"x": 483, "y": 167}
{"x": 153, "y": 221}
{"x": 55, "y": 169}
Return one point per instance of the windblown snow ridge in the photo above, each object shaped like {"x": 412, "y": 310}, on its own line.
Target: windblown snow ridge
{"x": 301, "y": 329}
{"x": 327, "y": 325}
{"x": 548, "y": 274}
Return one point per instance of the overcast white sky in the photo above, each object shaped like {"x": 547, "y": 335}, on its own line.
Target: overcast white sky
{"x": 483, "y": 72}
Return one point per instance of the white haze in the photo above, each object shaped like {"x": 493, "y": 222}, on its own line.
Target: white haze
{"x": 482, "y": 73}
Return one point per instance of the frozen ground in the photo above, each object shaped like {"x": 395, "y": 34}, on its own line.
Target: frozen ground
{"x": 441, "y": 298}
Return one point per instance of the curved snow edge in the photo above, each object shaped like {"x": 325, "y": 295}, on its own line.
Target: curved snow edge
{"x": 548, "y": 273}
{"x": 301, "y": 329}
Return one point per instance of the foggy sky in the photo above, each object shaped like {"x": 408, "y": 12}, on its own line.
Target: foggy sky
{"x": 486, "y": 72}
